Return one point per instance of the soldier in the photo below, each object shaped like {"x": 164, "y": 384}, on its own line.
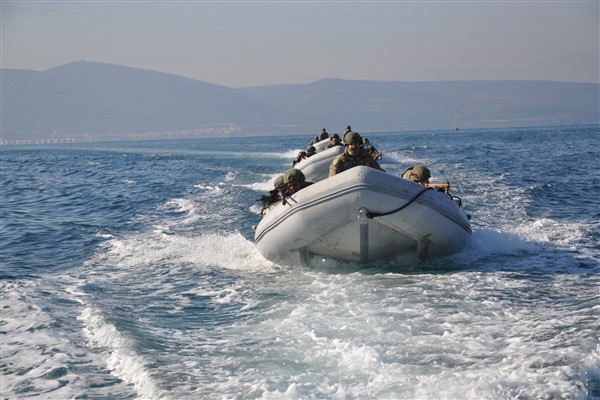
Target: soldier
{"x": 334, "y": 141}
{"x": 323, "y": 135}
{"x": 279, "y": 192}
{"x": 301, "y": 156}
{"x": 419, "y": 174}
{"x": 310, "y": 151}
{"x": 353, "y": 155}
{"x": 295, "y": 180}
{"x": 371, "y": 149}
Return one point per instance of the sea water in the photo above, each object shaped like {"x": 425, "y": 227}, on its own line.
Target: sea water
{"x": 129, "y": 272}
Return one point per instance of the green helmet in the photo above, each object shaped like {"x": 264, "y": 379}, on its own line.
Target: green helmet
{"x": 352, "y": 137}
{"x": 278, "y": 182}
{"x": 293, "y": 175}
{"x": 419, "y": 173}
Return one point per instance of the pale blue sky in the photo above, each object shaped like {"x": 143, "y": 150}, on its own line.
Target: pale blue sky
{"x": 249, "y": 43}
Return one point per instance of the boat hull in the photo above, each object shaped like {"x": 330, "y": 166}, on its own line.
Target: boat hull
{"x": 321, "y": 145}
{"x": 362, "y": 215}
{"x": 316, "y": 168}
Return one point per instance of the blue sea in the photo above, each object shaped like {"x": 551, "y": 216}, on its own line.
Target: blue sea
{"x": 128, "y": 271}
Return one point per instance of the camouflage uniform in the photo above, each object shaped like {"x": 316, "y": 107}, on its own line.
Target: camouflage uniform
{"x": 345, "y": 161}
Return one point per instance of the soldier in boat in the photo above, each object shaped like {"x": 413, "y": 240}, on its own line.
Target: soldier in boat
{"x": 334, "y": 141}
{"x": 279, "y": 191}
{"x": 301, "y": 156}
{"x": 371, "y": 149}
{"x": 420, "y": 174}
{"x": 295, "y": 180}
{"x": 323, "y": 135}
{"x": 354, "y": 154}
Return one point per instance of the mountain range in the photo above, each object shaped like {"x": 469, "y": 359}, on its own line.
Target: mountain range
{"x": 90, "y": 99}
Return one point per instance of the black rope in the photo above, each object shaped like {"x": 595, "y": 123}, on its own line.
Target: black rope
{"x": 371, "y": 215}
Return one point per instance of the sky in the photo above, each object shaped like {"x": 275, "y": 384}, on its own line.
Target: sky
{"x": 255, "y": 43}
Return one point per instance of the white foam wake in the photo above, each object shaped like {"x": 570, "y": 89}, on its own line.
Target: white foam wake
{"x": 122, "y": 360}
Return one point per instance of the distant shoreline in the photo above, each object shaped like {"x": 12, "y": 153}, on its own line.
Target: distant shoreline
{"x": 95, "y": 101}
{"x": 179, "y": 135}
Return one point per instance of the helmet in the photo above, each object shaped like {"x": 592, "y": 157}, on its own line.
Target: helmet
{"x": 311, "y": 149}
{"x": 335, "y": 135}
{"x": 293, "y": 175}
{"x": 365, "y": 140}
{"x": 278, "y": 182}
{"x": 352, "y": 137}
{"x": 419, "y": 173}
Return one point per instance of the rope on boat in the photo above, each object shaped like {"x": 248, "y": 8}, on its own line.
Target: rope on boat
{"x": 371, "y": 215}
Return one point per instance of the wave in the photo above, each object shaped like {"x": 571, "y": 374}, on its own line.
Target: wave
{"x": 44, "y": 353}
{"x": 122, "y": 360}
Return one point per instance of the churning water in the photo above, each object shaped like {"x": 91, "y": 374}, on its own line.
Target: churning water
{"x": 129, "y": 271}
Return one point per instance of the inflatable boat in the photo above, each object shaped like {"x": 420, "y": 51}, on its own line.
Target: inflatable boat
{"x": 362, "y": 215}
{"x": 316, "y": 168}
{"x": 321, "y": 145}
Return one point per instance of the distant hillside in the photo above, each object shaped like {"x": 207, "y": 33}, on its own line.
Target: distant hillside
{"x": 95, "y": 98}
{"x": 384, "y": 106}
{"x": 87, "y": 98}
